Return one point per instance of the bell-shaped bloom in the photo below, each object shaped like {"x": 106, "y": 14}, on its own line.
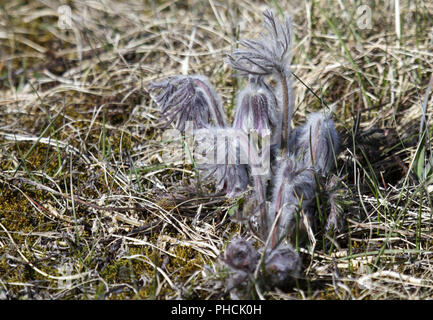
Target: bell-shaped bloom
{"x": 255, "y": 108}
{"x": 317, "y": 142}
{"x": 270, "y": 54}
{"x": 189, "y": 98}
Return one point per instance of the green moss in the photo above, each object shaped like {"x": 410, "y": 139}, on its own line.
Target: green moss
{"x": 116, "y": 272}
{"x": 17, "y": 213}
{"x": 185, "y": 263}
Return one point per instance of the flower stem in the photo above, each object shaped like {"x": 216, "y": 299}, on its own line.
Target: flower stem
{"x": 287, "y": 113}
{"x": 253, "y": 156}
{"x": 262, "y": 205}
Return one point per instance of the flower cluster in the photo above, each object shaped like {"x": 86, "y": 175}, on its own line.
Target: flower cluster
{"x": 301, "y": 157}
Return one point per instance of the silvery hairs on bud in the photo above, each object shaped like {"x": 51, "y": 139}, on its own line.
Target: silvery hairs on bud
{"x": 294, "y": 189}
{"x": 270, "y": 54}
{"x": 282, "y": 265}
{"x": 241, "y": 259}
{"x": 227, "y": 157}
{"x": 255, "y": 107}
{"x": 188, "y": 98}
{"x": 241, "y": 255}
{"x": 318, "y": 142}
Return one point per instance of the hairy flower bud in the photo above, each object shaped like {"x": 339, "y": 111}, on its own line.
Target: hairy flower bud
{"x": 241, "y": 258}
{"x": 256, "y": 105}
{"x": 282, "y": 265}
{"x": 318, "y": 142}
{"x": 294, "y": 190}
{"x": 241, "y": 255}
{"x": 189, "y": 98}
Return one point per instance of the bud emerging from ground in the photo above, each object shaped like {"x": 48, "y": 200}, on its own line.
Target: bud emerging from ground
{"x": 241, "y": 255}
{"x": 188, "y": 98}
{"x": 282, "y": 266}
{"x": 241, "y": 258}
{"x": 255, "y": 108}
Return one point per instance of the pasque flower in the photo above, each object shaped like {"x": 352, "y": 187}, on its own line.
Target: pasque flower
{"x": 269, "y": 54}
{"x": 314, "y": 146}
{"x": 241, "y": 258}
{"x": 294, "y": 190}
{"x": 219, "y": 156}
{"x": 282, "y": 265}
{"x": 189, "y": 98}
{"x": 256, "y": 107}
{"x": 317, "y": 142}
{"x": 241, "y": 255}
{"x": 226, "y": 156}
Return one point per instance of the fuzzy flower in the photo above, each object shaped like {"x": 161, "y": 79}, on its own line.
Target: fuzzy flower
{"x": 233, "y": 179}
{"x": 268, "y": 55}
{"x": 188, "y": 98}
{"x": 317, "y": 142}
{"x": 294, "y": 189}
{"x": 219, "y": 154}
{"x": 241, "y": 255}
{"x": 241, "y": 258}
{"x": 256, "y": 106}
{"x": 281, "y": 266}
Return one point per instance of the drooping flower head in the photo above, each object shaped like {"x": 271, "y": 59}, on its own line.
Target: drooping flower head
{"x": 227, "y": 157}
{"x": 219, "y": 155}
{"x": 256, "y": 107}
{"x": 271, "y": 55}
{"x": 189, "y": 98}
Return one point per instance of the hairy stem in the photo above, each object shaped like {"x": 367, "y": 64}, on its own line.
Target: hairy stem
{"x": 277, "y": 209}
{"x": 285, "y": 128}
{"x": 262, "y": 205}
{"x": 258, "y": 183}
